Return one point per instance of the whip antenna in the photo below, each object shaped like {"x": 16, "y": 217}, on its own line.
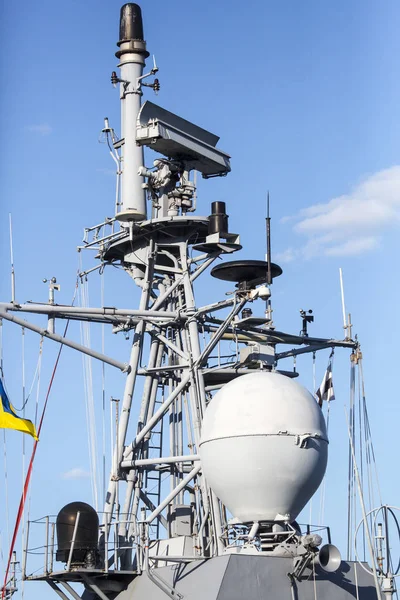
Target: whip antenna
{"x": 347, "y": 325}
{"x": 342, "y": 297}
{"x": 268, "y": 231}
{"x": 12, "y": 262}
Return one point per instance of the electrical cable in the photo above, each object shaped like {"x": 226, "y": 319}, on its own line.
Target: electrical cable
{"x": 89, "y": 395}
{"x": 25, "y": 402}
{"x": 328, "y": 411}
{"x": 4, "y": 444}
{"x": 103, "y": 394}
{"x": 314, "y": 386}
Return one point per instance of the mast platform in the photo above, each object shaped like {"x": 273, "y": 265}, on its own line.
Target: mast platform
{"x": 168, "y": 230}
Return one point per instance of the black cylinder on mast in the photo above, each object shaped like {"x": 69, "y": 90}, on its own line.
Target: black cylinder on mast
{"x": 218, "y": 220}
{"x": 84, "y": 533}
{"x": 131, "y": 23}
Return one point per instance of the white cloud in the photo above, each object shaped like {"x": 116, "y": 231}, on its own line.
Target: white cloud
{"x": 351, "y": 224}
{"x": 41, "y": 129}
{"x": 76, "y": 473}
{"x": 353, "y": 247}
{"x": 286, "y": 256}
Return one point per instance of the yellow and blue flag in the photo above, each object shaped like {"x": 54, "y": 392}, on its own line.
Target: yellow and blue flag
{"x": 9, "y": 418}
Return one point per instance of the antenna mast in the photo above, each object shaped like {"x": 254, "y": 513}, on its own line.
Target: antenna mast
{"x": 12, "y": 262}
{"x": 347, "y": 325}
{"x": 268, "y": 230}
{"x": 165, "y": 501}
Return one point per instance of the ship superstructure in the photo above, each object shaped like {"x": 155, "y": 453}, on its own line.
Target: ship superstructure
{"x": 206, "y": 487}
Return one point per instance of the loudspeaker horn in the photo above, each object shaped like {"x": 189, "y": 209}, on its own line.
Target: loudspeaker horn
{"x": 329, "y": 558}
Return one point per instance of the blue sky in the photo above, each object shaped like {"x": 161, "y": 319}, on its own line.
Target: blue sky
{"x": 304, "y": 97}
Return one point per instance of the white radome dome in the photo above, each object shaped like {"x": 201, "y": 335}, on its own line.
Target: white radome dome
{"x": 264, "y": 447}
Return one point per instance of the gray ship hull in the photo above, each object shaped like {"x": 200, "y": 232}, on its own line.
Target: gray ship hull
{"x": 252, "y": 578}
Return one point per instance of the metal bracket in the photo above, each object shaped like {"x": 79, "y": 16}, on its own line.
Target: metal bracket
{"x": 95, "y": 588}
{"x": 163, "y": 585}
{"x": 57, "y": 590}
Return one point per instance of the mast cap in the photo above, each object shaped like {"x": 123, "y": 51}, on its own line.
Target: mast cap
{"x": 130, "y": 23}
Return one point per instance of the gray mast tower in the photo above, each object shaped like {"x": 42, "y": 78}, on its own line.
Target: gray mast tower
{"x": 206, "y": 486}
{"x": 156, "y": 254}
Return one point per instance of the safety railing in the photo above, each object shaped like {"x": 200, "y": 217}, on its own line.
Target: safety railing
{"x": 40, "y": 548}
{"x": 237, "y": 535}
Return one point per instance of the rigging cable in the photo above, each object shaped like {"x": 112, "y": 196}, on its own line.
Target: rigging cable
{"x": 328, "y": 412}
{"x": 323, "y": 487}
{"x": 4, "y": 443}
{"x": 38, "y": 371}
{"x": 313, "y": 387}
{"x": 350, "y": 489}
{"x": 30, "y": 466}
{"x": 367, "y": 464}
{"x": 35, "y": 376}
{"x": 369, "y": 444}
{"x": 23, "y": 446}
{"x": 103, "y": 392}
{"x": 369, "y": 454}
{"x": 89, "y": 396}
{"x": 361, "y": 497}
{"x": 6, "y": 485}
{"x": 360, "y": 441}
{"x": 25, "y": 400}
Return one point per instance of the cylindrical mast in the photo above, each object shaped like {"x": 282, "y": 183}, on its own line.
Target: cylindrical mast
{"x": 132, "y": 54}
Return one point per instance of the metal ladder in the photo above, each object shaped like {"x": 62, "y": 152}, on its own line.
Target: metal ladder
{"x": 153, "y": 478}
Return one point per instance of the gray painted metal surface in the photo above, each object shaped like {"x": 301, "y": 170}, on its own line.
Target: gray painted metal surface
{"x": 253, "y": 578}
{"x": 177, "y": 138}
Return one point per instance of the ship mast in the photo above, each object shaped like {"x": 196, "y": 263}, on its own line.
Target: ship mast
{"x": 159, "y": 502}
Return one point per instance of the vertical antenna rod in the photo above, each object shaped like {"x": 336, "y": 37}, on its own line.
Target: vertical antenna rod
{"x": 132, "y": 54}
{"x": 12, "y": 262}
{"x": 268, "y": 228}
{"x": 345, "y": 325}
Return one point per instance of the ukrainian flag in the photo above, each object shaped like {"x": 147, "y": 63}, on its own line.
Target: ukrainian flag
{"x": 9, "y": 418}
